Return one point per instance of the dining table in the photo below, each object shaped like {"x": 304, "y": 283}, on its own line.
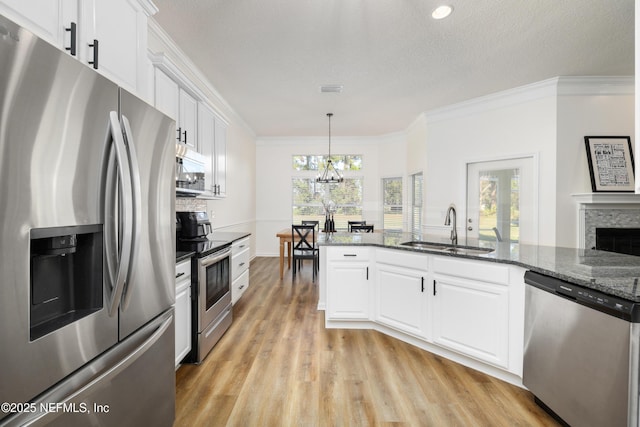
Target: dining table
{"x": 286, "y": 239}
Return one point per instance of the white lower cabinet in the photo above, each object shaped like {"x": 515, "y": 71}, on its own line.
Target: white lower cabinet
{"x": 401, "y": 291}
{"x": 183, "y": 311}
{"x": 240, "y": 259}
{"x": 472, "y": 318}
{"x": 348, "y": 272}
{"x": 458, "y": 306}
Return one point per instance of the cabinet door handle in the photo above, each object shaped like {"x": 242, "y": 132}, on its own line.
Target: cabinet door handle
{"x": 349, "y": 255}
{"x": 179, "y": 130}
{"x": 72, "y": 39}
{"x": 434, "y": 287}
{"x": 180, "y": 275}
{"x": 367, "y": 273}
{"x": 94, "y": 45}
{"x": 422, "y": 284}
{"x": 241, "y": 264}
{"x": 185, "y": 136}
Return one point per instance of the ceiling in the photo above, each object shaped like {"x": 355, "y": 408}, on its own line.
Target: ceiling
{"x": 268, "y": 58}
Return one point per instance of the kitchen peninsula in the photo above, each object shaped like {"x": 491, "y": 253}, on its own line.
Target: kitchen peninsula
{"x": 465, "y": 306}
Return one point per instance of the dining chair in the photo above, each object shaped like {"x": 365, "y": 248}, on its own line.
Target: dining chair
{"x": 352, "y": 223}
{"x": 362, "y": 228}
{"x": 311, "y": 222}
{"x": 304, "y": 246}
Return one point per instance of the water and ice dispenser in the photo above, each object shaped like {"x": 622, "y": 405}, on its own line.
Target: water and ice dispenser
{"x": 66, "y": 276}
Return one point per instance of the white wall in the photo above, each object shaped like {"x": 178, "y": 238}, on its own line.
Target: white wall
{"x": 548, "y": 119}
{"x": 509, "y": 124}
{"x": 594, "y": 107}
{"x": 382, "y": 157}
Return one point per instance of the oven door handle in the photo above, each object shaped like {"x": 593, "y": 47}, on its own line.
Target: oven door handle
{"x": 212, "y": 259}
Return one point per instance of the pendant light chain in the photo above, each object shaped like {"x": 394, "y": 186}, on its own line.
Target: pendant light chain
{"x": 330, "y": 174}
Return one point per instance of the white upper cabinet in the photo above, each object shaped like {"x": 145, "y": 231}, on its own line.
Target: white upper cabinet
{"x": 212, "y": 137}
{"x": 188, "y": 120}
{"x": 166, "y": 95}
{"x": 220, "y": 182}
{"x": 47, "y": 19}
{"x": 206, "y": 131}
{"x": 118, "y": 26}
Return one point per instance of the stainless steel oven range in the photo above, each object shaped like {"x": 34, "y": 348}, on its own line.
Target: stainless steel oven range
{"x": 212, "y": 312}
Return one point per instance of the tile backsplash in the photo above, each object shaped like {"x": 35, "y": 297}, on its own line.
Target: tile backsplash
{"x": 190, "y": 204}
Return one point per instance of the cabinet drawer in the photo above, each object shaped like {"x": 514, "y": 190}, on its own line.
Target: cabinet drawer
{"x": 475, "y": 270}
{"x": 348, "y": 253}
{"x": 239, "y": 286}
{"x": 403, "y": 259}
{"x": 239, "y": 263}
{"x": 183, "y": 270}
{"x": 240, "y": 245}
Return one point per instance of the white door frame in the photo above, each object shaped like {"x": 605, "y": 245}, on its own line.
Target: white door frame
{"x": 535, "y": 236}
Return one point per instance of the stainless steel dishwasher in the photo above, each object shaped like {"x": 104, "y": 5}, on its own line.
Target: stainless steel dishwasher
{"x": 581, "y": 352}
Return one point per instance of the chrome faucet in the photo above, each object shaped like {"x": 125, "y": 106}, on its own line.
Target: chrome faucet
{"x": 447, "y": 221}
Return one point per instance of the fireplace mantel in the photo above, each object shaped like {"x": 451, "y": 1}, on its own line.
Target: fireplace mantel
{"x": 607, "y": 198}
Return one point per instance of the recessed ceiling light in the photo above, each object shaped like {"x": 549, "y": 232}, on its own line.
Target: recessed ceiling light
{"x": 441, "y": 12}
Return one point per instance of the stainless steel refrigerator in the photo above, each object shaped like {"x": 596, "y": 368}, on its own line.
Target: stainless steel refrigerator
{"x": 87, "y": 245}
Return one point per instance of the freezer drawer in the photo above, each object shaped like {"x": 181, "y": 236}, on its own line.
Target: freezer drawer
{"x": 132, "y": 384}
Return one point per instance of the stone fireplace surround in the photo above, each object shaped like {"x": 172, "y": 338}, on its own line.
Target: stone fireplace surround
{"x": 607, "y": 210}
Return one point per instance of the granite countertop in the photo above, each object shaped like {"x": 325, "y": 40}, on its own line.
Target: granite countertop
{"x": 608, "y": 272}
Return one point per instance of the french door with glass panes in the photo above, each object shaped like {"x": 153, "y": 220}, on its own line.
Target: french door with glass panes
{"x": 501, "y": 202}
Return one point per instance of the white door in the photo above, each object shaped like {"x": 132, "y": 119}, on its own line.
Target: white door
{"x": 502, "y": 201}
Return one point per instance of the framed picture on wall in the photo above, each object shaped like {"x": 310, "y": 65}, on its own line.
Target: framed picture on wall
{"x": 610, "y": 163}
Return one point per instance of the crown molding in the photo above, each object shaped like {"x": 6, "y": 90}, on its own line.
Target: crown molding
{"x": 149, "y": 7}
{"x": 175, "y": 60}
{"x": 554, "y": 87}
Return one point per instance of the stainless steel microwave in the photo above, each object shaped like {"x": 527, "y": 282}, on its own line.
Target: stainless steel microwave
{"x": 190, "y": 168}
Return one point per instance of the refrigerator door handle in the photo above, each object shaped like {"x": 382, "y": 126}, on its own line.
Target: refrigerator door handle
{"x": 126, "y": 212}
{"x": 136, "y": 200}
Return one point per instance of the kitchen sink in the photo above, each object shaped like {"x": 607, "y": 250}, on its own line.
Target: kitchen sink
{"x": 461, "y": 250}
{"x": 427, "y": 245}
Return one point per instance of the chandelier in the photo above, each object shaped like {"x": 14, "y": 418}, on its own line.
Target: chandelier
{"x": 330, "y": 175}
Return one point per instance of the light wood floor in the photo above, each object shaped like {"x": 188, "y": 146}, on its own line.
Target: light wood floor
{"x": 278, "y": 366}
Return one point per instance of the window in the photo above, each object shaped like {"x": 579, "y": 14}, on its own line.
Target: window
{"x": 392, "y": 203}
{"x": 308, "y": 198}
{"x": 308, "y": 195}
{"x": 349, "y": 162}
{"x": 416, "y": 203}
